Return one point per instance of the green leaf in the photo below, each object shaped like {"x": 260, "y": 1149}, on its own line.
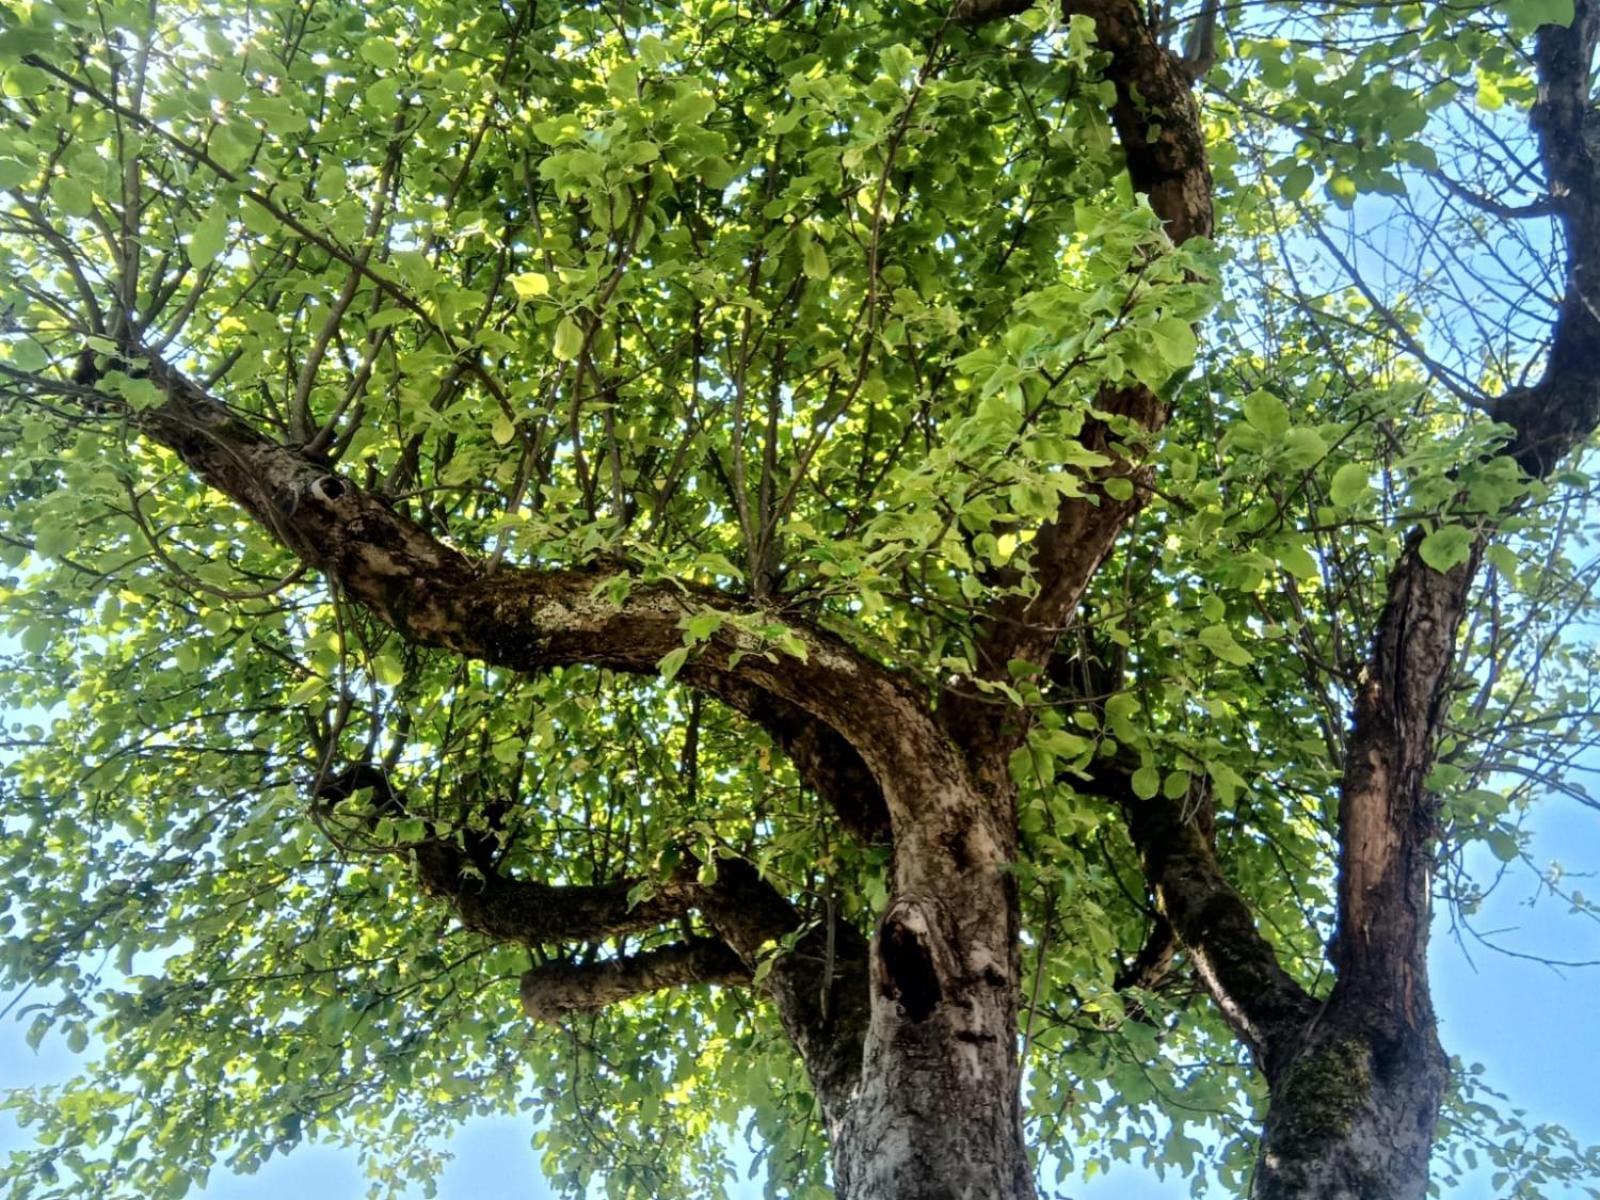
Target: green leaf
{"x": 1490, "y": 97}
{"x": 1175, "y": 341}
{"x": 1298, "y": 561}
{"x": 1303, "y": 448}
{"x": 794, "y": 646}
{"x": 702, "y": 625}
{"x": 1351, "y": 485}
{"x": 208, "y": 238}
{"x": 530, "y": 285}
{"x": 1219, "y": 640}
{"x": 1503, "y": 559}
{"x": 1058, "y": 743}
{"x": 815, "y": 260}
{"x": 1122, "y": 713}
{"x": 14, "y": 173}
{"x": 672, "y": 662}
{"x": 381, "y": 53}
{"x": 1502, "y": 845}
{"x": 1146, "y": 782}
{"x": 569, "y": 340}
{"x": 1447, "y": 547}
{"x": 1266, "y": 414}
{"x": 1297, "y": 181}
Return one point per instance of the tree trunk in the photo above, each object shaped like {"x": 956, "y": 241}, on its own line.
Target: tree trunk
{"x": 936, "y": 1114}
{"x": 1352, "y": 1116}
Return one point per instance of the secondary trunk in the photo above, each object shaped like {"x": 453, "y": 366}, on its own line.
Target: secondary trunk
{"x": 1351, "y": 1117}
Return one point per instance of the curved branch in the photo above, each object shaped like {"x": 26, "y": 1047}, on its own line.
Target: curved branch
{"x": 1386, "y": 817}
{"x": 827, "y": 763}
{"x": 1263, "y": 1003}
{"x": 816, "y": 972}
{"x": 530, "y": 619}
{"x": 1163, "y": 144}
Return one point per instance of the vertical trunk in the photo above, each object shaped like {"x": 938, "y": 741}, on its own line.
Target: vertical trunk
{"x": 1354, "y": 1104}
{"x": 936, "y": 1114}
{"x": 1352, "y": 1116}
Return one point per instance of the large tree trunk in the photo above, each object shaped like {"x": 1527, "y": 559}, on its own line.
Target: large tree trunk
{"x": 936, "y": 1114}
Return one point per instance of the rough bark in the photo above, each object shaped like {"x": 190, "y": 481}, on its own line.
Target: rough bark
{"x": 937, "y": 1114}
{"x": 910, "y": 1039}
{"x": 1352, "y": 1110}
{"x": 553, "y": 990}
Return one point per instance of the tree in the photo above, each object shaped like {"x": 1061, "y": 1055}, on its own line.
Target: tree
{"x": 860, "y": 560}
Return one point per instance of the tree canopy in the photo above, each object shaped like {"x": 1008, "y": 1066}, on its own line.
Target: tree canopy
{"x": 668, "y": 566}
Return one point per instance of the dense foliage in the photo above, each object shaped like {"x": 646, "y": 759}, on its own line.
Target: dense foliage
{"x": 795, "y": 316}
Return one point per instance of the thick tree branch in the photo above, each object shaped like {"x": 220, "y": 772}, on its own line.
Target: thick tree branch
{"x": 1158, "y": 125}
{"x": 533, "y": 914}
{"x": 1379, "y": 1028}
{"x": 827, "y": 763}
{"x": 531, "y": 619}
{"x": 553, "y": 990}
{"x": 1386, "y": 819}
{"x": 819, "y": 983}
{"x": 1238, "y": 966}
